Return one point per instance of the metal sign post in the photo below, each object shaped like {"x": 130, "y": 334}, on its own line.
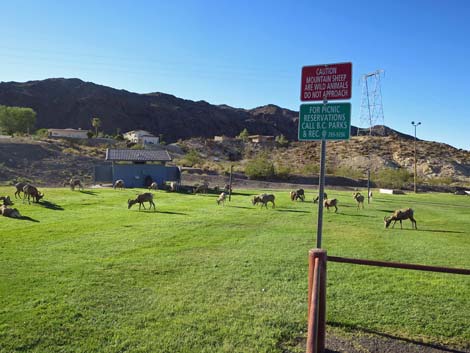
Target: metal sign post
{"x": 321, "y": 188}
{"x": 321, "y": 122}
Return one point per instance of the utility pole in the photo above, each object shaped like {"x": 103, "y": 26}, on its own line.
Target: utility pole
{"x": 415, "y": 126}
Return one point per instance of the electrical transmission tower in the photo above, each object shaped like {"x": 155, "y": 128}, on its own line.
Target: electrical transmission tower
{"x": 372, "y": 112}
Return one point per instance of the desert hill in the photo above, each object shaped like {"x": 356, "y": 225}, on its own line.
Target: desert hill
{"x": 72, "y": 103}
{"x": 50, "y": 162}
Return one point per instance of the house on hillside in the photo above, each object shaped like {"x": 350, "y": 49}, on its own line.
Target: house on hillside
{"x": 223, "y": 138}
{"x": 141, "y": 136}
{"x": 68, "y": 133}
{"x": 260, "y": 138}
{"x": 138, "y": 168}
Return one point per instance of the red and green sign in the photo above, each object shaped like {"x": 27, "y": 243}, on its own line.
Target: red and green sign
{"x": 326, "y": 82}
{"x": 325, "y": 121}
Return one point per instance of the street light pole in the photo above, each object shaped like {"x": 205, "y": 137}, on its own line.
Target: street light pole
{"x": 415, "y": 126}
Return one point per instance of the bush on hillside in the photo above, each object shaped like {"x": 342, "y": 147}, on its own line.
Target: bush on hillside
{"x": 191, "y": 158}
{"x": 260, "y": 167}
{"x": 392, "y": 178}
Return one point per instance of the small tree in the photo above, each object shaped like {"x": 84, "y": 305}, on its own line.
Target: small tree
{"x": 96, "y": 123}
{"x": 282, "y": 141}
{"x": 16, "y": 119}
{"x": 244, "y": 135}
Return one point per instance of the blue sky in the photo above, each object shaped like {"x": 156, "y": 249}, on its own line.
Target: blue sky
{"x": 250, "y": 53}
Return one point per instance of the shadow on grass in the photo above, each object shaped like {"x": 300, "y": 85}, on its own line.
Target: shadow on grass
{"x": 245, "y": 207}
{"x": 51, "y": 206}
{"x": 388, "y": 211}
{"x": 26, "y": 218}
{"x": 169, "y": 212}
{"x": 293, "y": 211}
{"x": 423, "y": 345}
{"x": 439, "y": 231}
{"x": 93, "y": 193}
{"x": 359, "y": 215}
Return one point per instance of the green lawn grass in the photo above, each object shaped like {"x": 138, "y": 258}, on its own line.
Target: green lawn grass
{"x": 85, "y": 274}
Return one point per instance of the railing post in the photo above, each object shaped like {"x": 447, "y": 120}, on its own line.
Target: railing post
{"x": 316, "y": 301}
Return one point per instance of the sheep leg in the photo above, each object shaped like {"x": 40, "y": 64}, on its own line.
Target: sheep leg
{"x": 336, "y": 209}
{"x": 401, "y": 224}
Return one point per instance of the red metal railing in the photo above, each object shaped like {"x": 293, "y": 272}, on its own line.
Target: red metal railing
{"x": 317, "y": 290}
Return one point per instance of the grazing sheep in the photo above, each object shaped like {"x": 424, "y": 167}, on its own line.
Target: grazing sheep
{"x": 331, "y": 203}
{"x": 153, "y": 186}
{"x": 19, "y": 189}
{"x": 32, "y": 191}
{"x": 140, "y": 199}
{"x": 119, "y": 184}
{"x": 9, "y": 212}
{"x": 173, "y": 186}
{"x": 201, "y": 188}
{"x": 74, "y": 183}
{"x": 221, "y": 199}
{"x": 298, "y": 194}
{"x": 264, "y": 199}
{"x": 400, "y": 215}
{"x": 359, "y": 199}
{"x": 6, "y": 200}
{"x": 325, "y": 196}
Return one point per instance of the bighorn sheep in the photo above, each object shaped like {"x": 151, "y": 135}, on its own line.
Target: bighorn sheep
{"x": 6, "y": 200}
{"x": 201, "y": 188}
{"x": 9, "y": 212}
{"x": 119, "y": 184}
{"x": 140, "y": 199}
{"x": 331, "y": 203}
{"x": 74, "y": 183}
{"x": 325, "y": 196}
{"x": 298, "y": 194}
{"x": 359, "y": 199}
{"x": 153, "y": 186}
{"x": 19, "y": 189}
{"x": 222, "y": 197}
{"x": 264, "y": 199}
{"x": 400, "y": 215}
{"x": 32, "y": 191}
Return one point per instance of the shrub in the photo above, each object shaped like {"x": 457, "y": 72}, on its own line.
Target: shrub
{"x": 282, "y": 171}
{"x": 282, "y": 141}
{"x": 392, "y": 178}
{"x": 260, "y": 167}
{"x": 191, "y": 158}
{"x": 439, "y": 181}
{"x": 311, "y": 168}
{"x": 349, "y": 172}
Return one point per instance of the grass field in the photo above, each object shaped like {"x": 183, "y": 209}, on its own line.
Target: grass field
{"x": 85, "y": 274}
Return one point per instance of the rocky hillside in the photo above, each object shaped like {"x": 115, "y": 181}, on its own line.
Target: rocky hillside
{"x": 353, "y": 157}
{"x": 72, "y": 103}
{"x": 50, "y": 162}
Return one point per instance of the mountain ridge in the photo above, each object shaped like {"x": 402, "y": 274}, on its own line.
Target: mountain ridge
{"x": 72, "y": 103}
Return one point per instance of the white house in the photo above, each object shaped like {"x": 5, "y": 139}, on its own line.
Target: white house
{"x": 141, "y": 136}
{"x": 68, "y": 133}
